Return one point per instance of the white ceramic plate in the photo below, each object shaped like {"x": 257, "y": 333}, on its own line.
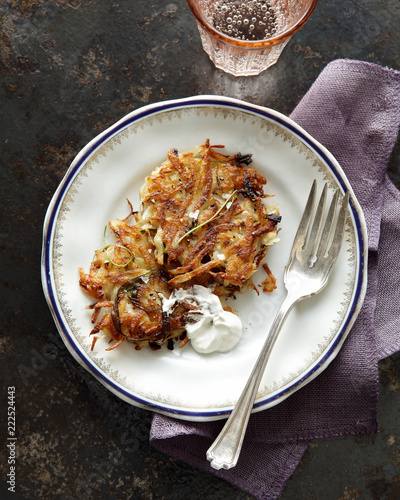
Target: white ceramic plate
{"x": 112, "y": 167}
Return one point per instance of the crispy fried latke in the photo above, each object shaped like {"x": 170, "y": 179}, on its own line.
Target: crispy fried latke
{"x": 202, "y": 221}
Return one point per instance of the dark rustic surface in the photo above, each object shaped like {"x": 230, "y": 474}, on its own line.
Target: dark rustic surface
{"x": 69, "y": 69}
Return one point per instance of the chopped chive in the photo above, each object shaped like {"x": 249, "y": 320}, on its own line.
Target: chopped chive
{"x": 114, "y": 263}
{"x": 116, "y": 245}
{"x": 209, "y": 220}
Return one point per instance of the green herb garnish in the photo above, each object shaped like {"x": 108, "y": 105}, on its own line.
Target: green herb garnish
{"x": 209, "y": 220}
{"x": 116, "y": 245}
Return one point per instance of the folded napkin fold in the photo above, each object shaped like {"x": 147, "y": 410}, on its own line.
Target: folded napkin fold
{"x": 353, "y": 109}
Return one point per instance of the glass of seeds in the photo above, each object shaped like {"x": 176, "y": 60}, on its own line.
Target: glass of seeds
{"x": 246, "y": 37}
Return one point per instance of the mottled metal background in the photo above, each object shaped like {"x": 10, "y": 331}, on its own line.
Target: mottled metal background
{"x": 69, "y": 69}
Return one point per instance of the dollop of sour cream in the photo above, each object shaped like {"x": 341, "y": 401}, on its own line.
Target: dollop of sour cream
{"x": 213, "y": 329}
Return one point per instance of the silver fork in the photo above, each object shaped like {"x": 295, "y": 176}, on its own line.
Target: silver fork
{"x": 314, "y": 252}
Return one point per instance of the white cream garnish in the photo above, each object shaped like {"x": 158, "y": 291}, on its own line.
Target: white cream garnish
{"x": 213, "y": 329}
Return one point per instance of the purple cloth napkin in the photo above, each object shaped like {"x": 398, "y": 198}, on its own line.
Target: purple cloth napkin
{"x": 353, "y": 109}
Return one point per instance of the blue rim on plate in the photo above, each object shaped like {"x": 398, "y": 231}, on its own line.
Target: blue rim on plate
{"x": 50, "y": 290}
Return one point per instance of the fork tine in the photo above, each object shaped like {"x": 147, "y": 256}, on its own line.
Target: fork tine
{"x": 317, "y": 224}
{"x": 302, "y": 230}
{"x": 328, "y": 227}
{"x": 339, "y": 232}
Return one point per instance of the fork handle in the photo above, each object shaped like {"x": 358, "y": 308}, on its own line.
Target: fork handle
{"x": 224, "y": 452}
